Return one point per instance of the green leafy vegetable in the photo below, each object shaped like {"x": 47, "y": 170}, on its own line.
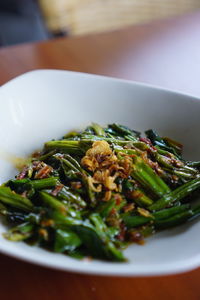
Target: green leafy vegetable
{"x": 92, "y": 193}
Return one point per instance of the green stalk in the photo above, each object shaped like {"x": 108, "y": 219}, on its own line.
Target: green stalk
{"x": 182, "y": 171}
{"x": 39, "y": 184}
{"x": 193, "y": 164}
{"x": 18, "y": 182}
{"x": 52, "y": 202}
{"x": 63, "y": 221}
{"x": 98, "y": 129}
{"x": 105, "y": 208}
{"x": 142, "y": 199}
{"x": 174, "y": 220}
{"x": 119, "y": 150}
{"x": 110, "y": 250}
{"x": 68, "y": 165}
{"x": 93, "y": 237}
{"x": 174, "y": 144}
{"x": 36, "y": 184}
{"x": 148, "y": 178}
{"x": 69, "y": 146}
{"x": 71, "y": 197}
{"x": 124, "y": 130}
{"x": 73, "y": 161}
{"x": 183, "y": 174}
{"x": 68, "y": 161}
{"x": 3, "y": 210}
{"x": 155, "y": 218}
{"x": 135, "y": 221}
{"x": 176, "y": 195}
{"x": 20, "y": 232}
{"x": 169, "y": 212}
{"x": 45, "y": 156}
{"x": 92, "y": 138}
{"x": 196, "y": 210}
{"x": 10, "y": 198}
{"x": 159, "y": 142}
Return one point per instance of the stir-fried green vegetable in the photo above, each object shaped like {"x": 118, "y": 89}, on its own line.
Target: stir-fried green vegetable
{"x": 93, "y": 192}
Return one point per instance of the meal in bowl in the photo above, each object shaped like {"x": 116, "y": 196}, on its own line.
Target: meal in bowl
{"x": 92, "y": 193}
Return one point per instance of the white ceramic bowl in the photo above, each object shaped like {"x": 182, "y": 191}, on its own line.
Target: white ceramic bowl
{"x": 45, "y": 104}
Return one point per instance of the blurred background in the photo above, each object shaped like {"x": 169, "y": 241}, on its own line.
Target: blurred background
{"x": 36, "y": 20}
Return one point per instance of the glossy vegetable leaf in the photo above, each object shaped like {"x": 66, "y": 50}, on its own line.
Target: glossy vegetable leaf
{"x": 66, "y": 240}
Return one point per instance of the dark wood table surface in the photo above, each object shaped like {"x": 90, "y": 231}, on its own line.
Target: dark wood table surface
{"x": 162, "y": 53}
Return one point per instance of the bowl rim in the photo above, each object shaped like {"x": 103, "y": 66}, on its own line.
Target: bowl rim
{"x": 106, "y": 77}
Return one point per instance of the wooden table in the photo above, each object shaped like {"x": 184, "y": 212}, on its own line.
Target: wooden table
{"x": 164, "y": 53}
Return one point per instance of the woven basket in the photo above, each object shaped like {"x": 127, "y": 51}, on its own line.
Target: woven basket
{"x": 85, "y": 16}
